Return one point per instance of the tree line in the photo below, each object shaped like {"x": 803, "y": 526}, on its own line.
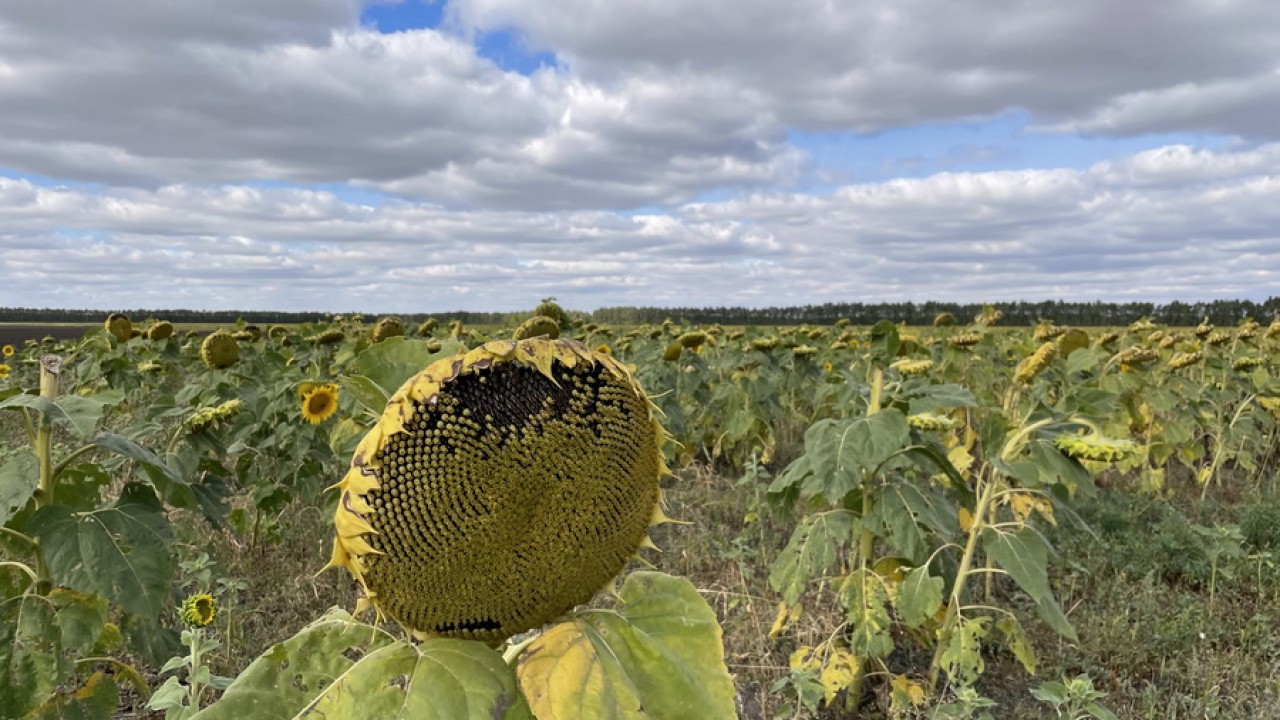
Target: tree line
{"x": 1098, "y": 313}
{"x": 1178, "y": 313}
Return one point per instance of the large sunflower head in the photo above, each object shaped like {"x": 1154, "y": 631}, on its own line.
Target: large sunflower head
{"x": 7, "y": 351}
{"x": 319, "y": 403}
{"x": 162, "y": 330}
{"x": 220, "y": 350}
{"x": 500, "y": 488}
{"x": 118, "y": 325}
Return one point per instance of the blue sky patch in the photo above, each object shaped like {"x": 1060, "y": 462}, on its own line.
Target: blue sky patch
{"x": 504, "y": 47}
{"x": 1002, "y": 142}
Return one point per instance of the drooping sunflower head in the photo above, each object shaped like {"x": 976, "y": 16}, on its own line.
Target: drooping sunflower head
{"x": 944, "y": 319}
{"x": 328, "y": 337}
{"x": 1072, "y": 340}
{"x": 537, "y": 326}
{"x": 198, "y": 610}
{"x": 1247, "y": 362}
{"x": 5, "y": 371}
{"x": 1035, "y": 363}
{"x": 118, "y": 325}
{"x": 500, "y": 488}
{"x": 1047, "y": 331}
{"x": 908, "y": 366}
{"x": 693, "y": 339}
{"x": 388, "y": 327}
{"x": 427, "y": 327}
{"x": 319, "y": 403}
{"x": 162, "y": 330}
{"x": 220, "y": 350}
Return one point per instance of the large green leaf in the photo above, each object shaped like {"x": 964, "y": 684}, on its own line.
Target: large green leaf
{"x": 389, "y": 363}
{"x": 366, "y": 392}
{"x": 157, "y": 469}
{"x": 841, "y": 452}
{"x": 1023, "y": 555}
{"x": 905, "y": 514}
{"x": 658, "y": 655}
{"x": 811, "y": 552}
{"x": 82, "y": 413}
{"x": 934, "y": 397}
{"x": 120, "y": 552}
{"x": 919, "y": 596}
{"x": 19, "y": 478}
{"x": 31, "y": 660}
{"x": 339, "y": 668}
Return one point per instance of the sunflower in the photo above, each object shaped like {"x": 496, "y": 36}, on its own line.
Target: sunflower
{"x": 4, "y": 371}
{"x": 198, "y": 610}
{"x": 7, "y": 350}
{"x": 500, "y": 488}
{"x": 319, "y": 403}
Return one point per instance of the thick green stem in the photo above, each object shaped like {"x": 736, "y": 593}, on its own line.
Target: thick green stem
{"x": 962, "y": 575}
{"x": 867, "y": 539}
{"x": 50, "y": 366}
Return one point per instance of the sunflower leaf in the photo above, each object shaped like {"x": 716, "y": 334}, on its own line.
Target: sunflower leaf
{"x": 659, "y": 654}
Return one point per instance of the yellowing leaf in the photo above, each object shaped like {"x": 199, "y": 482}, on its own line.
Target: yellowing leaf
{"x": 786, "y": 616}
{"x": 1022, "y": 504}
{"x": 840, "y": 671}
{"x": 1018, "y": 642}
{"x": 961, "y": 459}
{"x": 658, "y": 654}
{"x": 905, "y": 693}
{"x": 805, "y": 659}
{"x": 966, "y": 519}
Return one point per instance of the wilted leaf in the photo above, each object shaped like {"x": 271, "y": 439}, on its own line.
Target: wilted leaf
{"x": 97, "y": 699}
{"x": 32, "y": 665}
{"x": 659, "y": 654}
{"x": 1018, "y": 642}
{"x": 866, "y": 604}
{"x": 811, "y": 552}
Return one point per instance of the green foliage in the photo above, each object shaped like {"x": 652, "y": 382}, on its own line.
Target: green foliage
{"x": 933, "y": 538}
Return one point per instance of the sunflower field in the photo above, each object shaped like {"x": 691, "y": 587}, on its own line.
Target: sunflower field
{"x": 564, "y": 519}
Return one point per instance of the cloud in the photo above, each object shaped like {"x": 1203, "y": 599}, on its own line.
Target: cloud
{"x": 654, "y": 103}
{"x": 872, "y": 65}
{"x": 1172, "y": 223}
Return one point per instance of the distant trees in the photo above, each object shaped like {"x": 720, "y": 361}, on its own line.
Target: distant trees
{"x": 1219, "y": 312}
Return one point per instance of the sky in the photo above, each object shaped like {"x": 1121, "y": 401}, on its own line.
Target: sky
{"x": 416, "y": 156}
